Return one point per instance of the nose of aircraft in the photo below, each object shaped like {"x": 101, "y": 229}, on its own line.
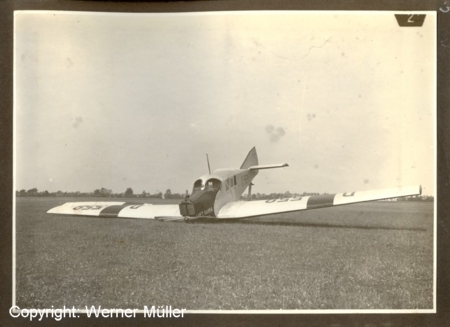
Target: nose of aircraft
{"x": 199, "y": 204}
{"x": 187, "y": 208}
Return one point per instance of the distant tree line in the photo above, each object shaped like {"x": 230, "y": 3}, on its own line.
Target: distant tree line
{"x": 424, "y": 198}
{"x": 101, "y": 193}
{"x": 107, "y": 193}
{"x": 262, "y": 196}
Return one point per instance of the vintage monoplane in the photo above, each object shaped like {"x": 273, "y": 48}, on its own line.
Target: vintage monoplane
{"x": 217, "y": 196}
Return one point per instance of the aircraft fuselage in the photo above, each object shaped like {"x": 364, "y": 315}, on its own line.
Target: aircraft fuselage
{"x": 211, "y": 192}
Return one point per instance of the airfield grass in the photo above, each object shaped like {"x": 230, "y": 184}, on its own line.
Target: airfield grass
{"x": 365, "y": 256}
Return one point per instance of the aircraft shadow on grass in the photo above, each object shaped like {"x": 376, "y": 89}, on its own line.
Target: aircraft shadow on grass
{"x": 306, "y": 224}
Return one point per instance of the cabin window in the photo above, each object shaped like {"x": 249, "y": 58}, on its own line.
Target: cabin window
{"x": 235, "y": 180}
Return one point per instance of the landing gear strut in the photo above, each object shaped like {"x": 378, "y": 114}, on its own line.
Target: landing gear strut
{"x": 250, "y": 191}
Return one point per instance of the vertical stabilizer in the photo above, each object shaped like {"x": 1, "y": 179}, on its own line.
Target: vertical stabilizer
{"x": 251, "y": 159}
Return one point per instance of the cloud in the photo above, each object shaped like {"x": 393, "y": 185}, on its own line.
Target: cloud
{"x": 280, "y": 131}
{"x": 269, "y": 128}
{"x": 274, "y": 137}
{"x": 275, "y": 133}
{"x": 77, "y": 122}
{"x": 311, "y": 116}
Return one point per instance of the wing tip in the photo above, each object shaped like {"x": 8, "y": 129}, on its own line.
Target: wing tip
{"x": 52, "y": 210}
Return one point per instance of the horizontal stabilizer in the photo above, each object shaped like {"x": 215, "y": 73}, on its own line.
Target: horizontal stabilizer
{"x": 259, "y": 167}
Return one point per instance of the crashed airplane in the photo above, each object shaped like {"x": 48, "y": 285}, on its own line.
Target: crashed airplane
{"x": 216, "y": 196}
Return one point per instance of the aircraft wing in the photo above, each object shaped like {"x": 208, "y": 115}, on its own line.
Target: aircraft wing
{"x": 246, "y": 209}
{"x": 117, "y": 210}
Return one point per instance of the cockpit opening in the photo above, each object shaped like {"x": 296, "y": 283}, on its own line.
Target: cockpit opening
{"x": 213, "y": 183}
{"x": 210, "y": 184}
{"x": 198, "y": 186}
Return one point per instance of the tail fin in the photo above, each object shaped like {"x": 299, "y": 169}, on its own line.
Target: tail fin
{"x": 251, "y": 159}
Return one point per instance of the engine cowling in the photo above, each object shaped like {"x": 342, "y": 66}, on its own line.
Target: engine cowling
{"x": 199, "y": 204}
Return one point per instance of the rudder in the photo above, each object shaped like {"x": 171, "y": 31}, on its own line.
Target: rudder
{"x": 251, "y": 159}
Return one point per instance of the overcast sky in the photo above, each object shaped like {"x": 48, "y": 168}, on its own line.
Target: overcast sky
{"x": 137, "y": 100}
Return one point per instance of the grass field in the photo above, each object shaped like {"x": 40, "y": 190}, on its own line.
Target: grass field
{"x": 376, "y": 255}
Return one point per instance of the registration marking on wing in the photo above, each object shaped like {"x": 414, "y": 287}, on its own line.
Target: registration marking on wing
{"x": 373, "y": 195}
{"x": 248, "y": 209}
{"x": 84, "y": 208}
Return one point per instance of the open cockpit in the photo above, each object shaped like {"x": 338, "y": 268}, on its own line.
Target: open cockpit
{"x": 213, "y": 184}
